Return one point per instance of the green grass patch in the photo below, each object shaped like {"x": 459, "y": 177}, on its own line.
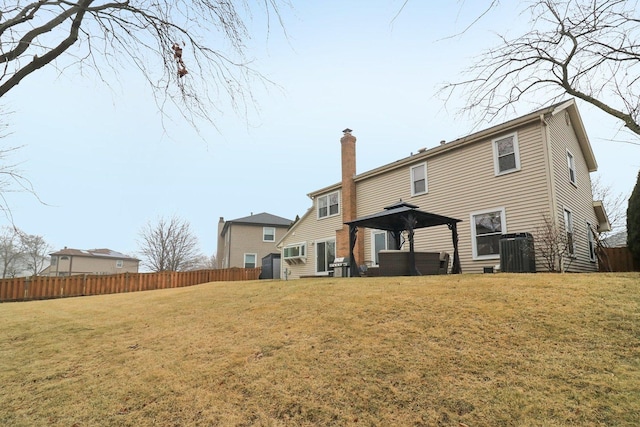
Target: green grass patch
{"x": 475, "y": 350}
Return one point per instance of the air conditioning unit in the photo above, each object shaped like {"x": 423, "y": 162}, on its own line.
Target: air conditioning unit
{"x": 517, "y": 253}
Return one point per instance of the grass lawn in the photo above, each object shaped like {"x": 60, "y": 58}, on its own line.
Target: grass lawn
{"x": 469, "y": 350}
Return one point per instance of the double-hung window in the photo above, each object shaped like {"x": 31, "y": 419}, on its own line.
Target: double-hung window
{"x": 329, "y": 205}
{"x": 419, "y": 179}
{"x": 119, "y": 263}
{"x": 571, "y": 165}
{"x": 268, "y": 234}
{"x": 592, "y": 242}
{"x": 325, "y": 255}
{"x": 250, "y": 260}
{"x": 506, "y": 154}
{"x": 568, "y": 228}
{"x": 486, "y": 229}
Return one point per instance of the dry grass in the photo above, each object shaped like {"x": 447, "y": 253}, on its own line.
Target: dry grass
{"x": 476, "y": 350}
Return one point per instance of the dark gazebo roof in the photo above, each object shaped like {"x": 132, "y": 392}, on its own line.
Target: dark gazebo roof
{"x": 394, "y": 217}
{"x": 404, "y": 216}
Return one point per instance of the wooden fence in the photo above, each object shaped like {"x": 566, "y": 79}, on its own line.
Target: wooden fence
{"x": 43, "y": 287}
{"x": 616, "y": 259}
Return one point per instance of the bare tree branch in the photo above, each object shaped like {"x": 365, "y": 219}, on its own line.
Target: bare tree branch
{"x": 586, "y": 49}
{"x": 168, "y": 245}
{"x": 117, "y": 34}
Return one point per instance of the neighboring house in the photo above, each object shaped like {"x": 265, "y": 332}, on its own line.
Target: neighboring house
{"x": 504, "y": 179}
{"x": 243, "y": 242}
{"x": 68, "y": 262}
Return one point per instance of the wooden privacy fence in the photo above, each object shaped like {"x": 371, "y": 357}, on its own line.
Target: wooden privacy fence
{"x": 44, "y": 287}
{"x": 616, "y": 259}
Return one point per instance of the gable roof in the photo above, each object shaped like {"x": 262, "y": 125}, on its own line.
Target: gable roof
{"x": 261, "y": 219}
{"x": 93, "y": 253}
{"x": 538, "y": 115}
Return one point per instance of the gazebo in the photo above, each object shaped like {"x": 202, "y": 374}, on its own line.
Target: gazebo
{"x": 401, "y": 217}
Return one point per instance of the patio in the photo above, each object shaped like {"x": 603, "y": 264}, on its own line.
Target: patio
{"x": 396, "y": 219}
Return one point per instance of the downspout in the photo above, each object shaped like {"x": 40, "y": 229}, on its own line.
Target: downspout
{"x": 229, "y": 248}
{"x": 546, "y": 135}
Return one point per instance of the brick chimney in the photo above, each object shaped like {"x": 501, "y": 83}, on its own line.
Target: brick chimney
{"x": 349, "y": 207}
{"x": 220, "y": 244}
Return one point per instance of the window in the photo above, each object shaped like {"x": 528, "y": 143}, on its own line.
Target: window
{"x": 119, "y": 263}
{"x": 568, "y": 227}
{"x": 571, "y": 165}
{"x": 268, "y": 234}
{"x": 506, "y": 156}
{"x": 250, "y": 260}
{"x": 486, "y": 228}
{"x": 64, "y": 258}
{"x": 295, "y": 253}
{"x": 325, "y": 255}
{"x": 328, "y": 205}
{"x": 54, "y": 260}
{"x": 419, "y": 179}
{"x": 592, "y": 242}
{"x": 381, "y": 240}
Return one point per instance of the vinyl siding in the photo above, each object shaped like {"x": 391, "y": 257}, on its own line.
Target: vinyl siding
{"x": 577, "y": 198}
{"x": 246, "y": 238}
{"x": 462, "y": 181}
{"x": 308, "y": 230}
{"x": 88, "y": 265}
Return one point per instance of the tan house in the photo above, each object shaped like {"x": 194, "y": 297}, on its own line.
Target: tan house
{"x": 243, "y": 242}
{"x": 68, "y": 262}
{"x": 505, "y": 179}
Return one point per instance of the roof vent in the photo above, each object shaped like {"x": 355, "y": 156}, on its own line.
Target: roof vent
{"x": 422, "y": 150}
{"x": 443, "y": 142}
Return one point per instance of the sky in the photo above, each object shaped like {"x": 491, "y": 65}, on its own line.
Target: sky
{"x": 104, "y": 164}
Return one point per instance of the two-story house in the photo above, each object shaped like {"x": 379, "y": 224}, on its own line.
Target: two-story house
{"x": 510, "y": 178}
{"x": 68, "y": 262}
{"x": 243, "y": 242}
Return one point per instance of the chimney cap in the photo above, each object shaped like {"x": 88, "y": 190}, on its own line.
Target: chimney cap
{"x": 347, "y": 130}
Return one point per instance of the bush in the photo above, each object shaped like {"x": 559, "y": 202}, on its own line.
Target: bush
{"x": 633, "y": 223}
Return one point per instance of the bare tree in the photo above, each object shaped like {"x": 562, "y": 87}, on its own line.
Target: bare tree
{"x": 10, "y": 252}
{"x": 205, "y": 262}
{"x": 614, "y": 204}
{"x": 11, "y": 178}
{"x": 168, "y": 245}
{"x": 191, "y": 53}
{"x": 584, "y": 48}
{"x": 554, "y": 244}
{"x": 35, "y": 253}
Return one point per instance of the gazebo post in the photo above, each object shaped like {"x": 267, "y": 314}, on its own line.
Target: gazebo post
{"x": 411, "y": 223}
{"x": 455, "y": 268}
{"x": 354, "y": 271}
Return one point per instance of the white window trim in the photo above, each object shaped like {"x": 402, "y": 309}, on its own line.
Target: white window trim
{"x": 516, "y": 152}
{"x": 302, "y": 258}
{"x": 571, "y": 167}
{"x": 329, "y": 215}
{"x": 426, "y": 179}
{"x": 264, "y": 229}
{"x": 591, "y": 242}
{"x": 474, "y": 245}
{"x": 573, "y": 229}
{"x": 244, "y": 260}
{"x": 315, "y": 247}
{"x": 119, "y": 263}
{"x": 373, "y": 244}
